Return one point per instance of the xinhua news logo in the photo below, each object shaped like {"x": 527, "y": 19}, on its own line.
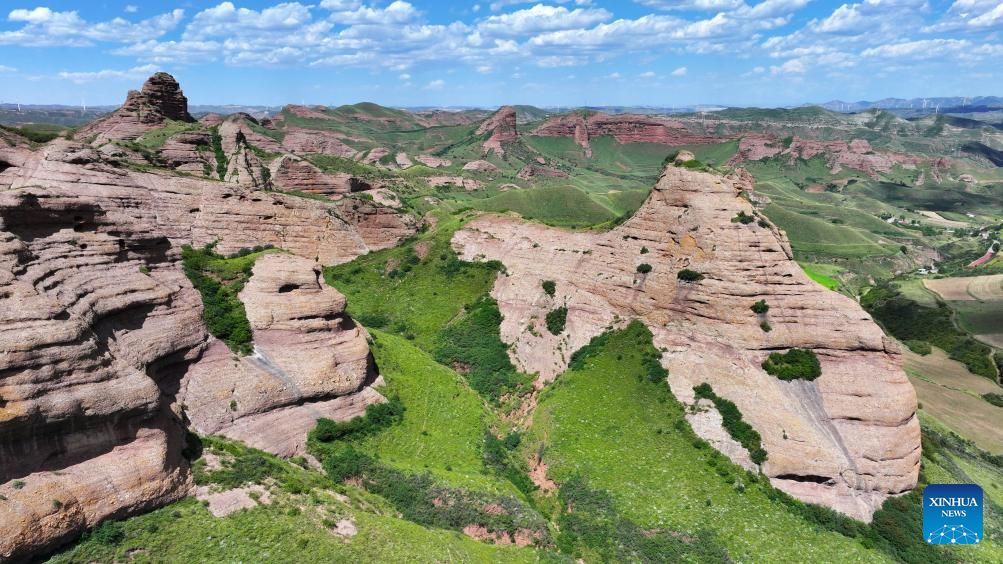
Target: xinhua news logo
{"x": 952, "y": 514}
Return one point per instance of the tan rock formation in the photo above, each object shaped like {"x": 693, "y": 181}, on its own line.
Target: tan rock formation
{"x": 290, "y": 173}
{"x": 856, "y": 154}
{"x": 305, "y": 141}
{"x": 310, "y": 360}
{"x": 847, "y": 440}
{"x": 625, "y": 128}
{"x": 431, "y": 161}
{"x": 189, "y": 151}
{"x": 502, "y": 127}
{"x": 531, "y": 171}
{"x": 480, "y": 166}
{"x": 160, "y": 100}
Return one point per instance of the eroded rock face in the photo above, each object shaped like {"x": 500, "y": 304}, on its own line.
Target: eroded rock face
{"x": 293, "y": 173}
{"x": 847, "y": 440}
{"x": 98, "y": 325}
{"x": 502, "y": 127}
{"x": 625, "y": 128}
{"x": 305, "y": 141}
{"x": 310, "y": 360}
{"x": 856, "y": 154}
{"x": 160, "y": 99}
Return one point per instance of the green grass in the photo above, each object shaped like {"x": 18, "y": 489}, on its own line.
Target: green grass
{"x": 823, "y": 274}
{"x": 606, "y": 412}
{"x": 809, "y": 234}
{"x": 559, "y": 205}
{"x": 979, "y": 317}
{"x": 418, "y": 303}
{"x": 155, "y": 138}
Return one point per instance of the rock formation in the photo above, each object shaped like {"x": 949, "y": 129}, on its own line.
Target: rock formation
{"x": 159, "y": 100}
{"x": 100, "y": 325}
{"x": 501, "y": 129}
{"x": 531, "y": 171}
{"x": 625, "y": 128}
{"x": 304, "y": 141}
{"x": 480, "y": 166}
{"x": 291, "y": 173}
{"x": 847, "y": 440}
{"x": 310, "y": 360}
{"x": 856, "y": 154}
{"x": 189, "y": 151}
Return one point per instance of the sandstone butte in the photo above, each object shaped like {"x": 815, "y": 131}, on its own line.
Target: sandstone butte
{"x": 102, "y": 336}
{"x": 626, "y": 128}
{"x": 500, "y": 128}
{"x": 847, "y": 440}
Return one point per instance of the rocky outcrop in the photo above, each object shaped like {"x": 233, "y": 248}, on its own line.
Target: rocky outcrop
{"x": 625, "y": 128}
{"x": 501, "y": 129}
{"x": 310, "y": 360}
{"x": 236, "y": 129}
{"x": 531, "y": 171}
{"x": 189, "y": 151}
{"x": 100, "y": 325}
{"x": 305, "y": 141}
{"x": 431, "y": 161}
{"x": 847, "y": 440}
{"x": 160, "y": 100}
{"x": 480, "y": 166}
{"x": 290, "y": 173}
{"x": 211, "y": 119}
{"x": 856, "y": 154}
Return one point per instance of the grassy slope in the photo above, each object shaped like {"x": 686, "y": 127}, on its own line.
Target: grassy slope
{"x": 824, "y": 274}
{"x": 605, "y": 424}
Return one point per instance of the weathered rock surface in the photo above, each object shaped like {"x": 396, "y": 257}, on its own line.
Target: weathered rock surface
{"x": 305, "y": 141}
{"x": 310, "y": 360}
{"x": 847, "y": 440}
{"x": 856, "y": 154}
{"x": 431, "y": 161}
{"x": 160, "y": 100}
{"x": 480, "y": 166}
{"x": 502, "y": 129}
{"x": 293, "y": 173}
{"x": 625, "y": 128}
{"x": 189, "y": 151}
{"x": 99, "y": 325}
{"x": 531, "y": 171}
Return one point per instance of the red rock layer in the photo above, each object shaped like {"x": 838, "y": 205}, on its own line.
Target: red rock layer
{"x": 625, "y": 128}
{"x": 160, "y": 99}
{"x": 501, "y": 126}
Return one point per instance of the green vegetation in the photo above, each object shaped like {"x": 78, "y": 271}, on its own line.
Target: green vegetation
{"x": 743, "y": 218}
{"x": 549, "y": 287}
{"x": 556, "y": 320}
{"x": 650, "y": 357}
{"x": 219, "y": 279}
{"x": 995, "y": 399}
{"x": 818, "y": 274}
{"x": 733, "y": 423}
{"x": 795, "y": 364}
{"x": 765, "y": 326}
{"x": 421, "y": 299}
{"x": 217, "y": 149}
{"x": 760, "y": 307}
{"x": 155, "y": 138}
{"x": 378, "y": 416}
{"x": 38, "y": 132}
{"x": 919, "y": 347}
{"x": 907, "y": 321}
{"x": 592, "y": 526}
{"x": 644, "y": 268}
{"x": 500, "y": 459}
{"x": 472, "y": 345}
{"x": 687, "y": 275}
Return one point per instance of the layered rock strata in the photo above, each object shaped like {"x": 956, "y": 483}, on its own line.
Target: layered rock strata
{"x": 159, "y": 100}
{"x": 847, "y": 440}
{"x": 500, "y": 128}
{"x": 624, "y": 128}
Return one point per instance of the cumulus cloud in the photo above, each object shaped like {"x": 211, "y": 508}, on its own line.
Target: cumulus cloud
{"x": 44, "y": 27}
{"x": 436, "y": 84}
{"x": 134, "y": 73}
{"x": 648, "y": 74}
{"x": 131, "y": 9}
{"x": 5, "y": 68}
{"x": 681, "y": 71}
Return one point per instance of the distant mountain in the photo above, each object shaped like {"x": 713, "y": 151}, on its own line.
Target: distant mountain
{"x": 930, "y": 104}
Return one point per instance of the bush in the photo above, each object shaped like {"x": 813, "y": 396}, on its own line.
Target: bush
{"x": 497, "y": 458}
{"x": 795, "y": 364}
{"x": 219, "y": 284}
{"x": 107, "y": 533}
{"x": 743, "y": 218}
{"x": 549, "y": 287}
{"x": 995, "y": 399}
{"x": 687, "y": 275}
{"x": 919, "y": 347}
{"x": 474, "y": 342}
{"x": 760, "y": 307}
{"x": 644, "y": 250}
{"x": 766, "y": 327}
{"x": 378, "y": 416}
{"x": 733, "y": 423}
{"x": 644, "y": 268}
{"x": 556, "y": 320}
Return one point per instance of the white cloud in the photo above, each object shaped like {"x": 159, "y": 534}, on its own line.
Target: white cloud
{"x": 47, "y": 28}
{"x": 694, "y": 5}
{"x": 648, "y": 74}
{"x": 134, "y": 73}
{"x": 131, "y": 9}
{"x": 793, "y": 66}
{"x": 541, "y": 18}
{"x": 5, "y": 68}
{"x": 404, "y": 76}
{"x": 681, "y": 71}
{"x": 436, "y": 84}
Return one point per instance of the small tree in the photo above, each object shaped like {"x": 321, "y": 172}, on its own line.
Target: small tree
{"x": 644, "y": 268}
{"x": 795, "y": 364}
{"x": 760, "y": 307}
{"x": 556, "y": 320}
{"x": 687, "y": 275}
{"x": 549, "y": 287}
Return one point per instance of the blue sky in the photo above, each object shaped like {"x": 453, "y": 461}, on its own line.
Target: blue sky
{"x": 645, "y": 52}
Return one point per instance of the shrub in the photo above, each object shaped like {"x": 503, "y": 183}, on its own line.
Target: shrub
{"x": 795, "y": 364}
{"x": 549, "y": 287}
{"x": 766, "y": 327}
{"x": 219, "y": 284}
{"x": 760, "y": 307}
{"x": 17, "y": 484}
{"x": 497, "y": 458}
{"x": 919, "y": 347}
{"x": 995, "y": 399}
{"x": 763, "y": 223}
{"x": 378, "y": 416}
{"x": 107, "y": 533}
{"x": 733, "y": 423}
{"x": 474, "y": 341}
{"x": 556, "y": 320}
{"x": 644, "y": 250}
{"x": 687, "y": 275}
{"x": 644, "y": 268}
{"x": 743, "y": 218}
